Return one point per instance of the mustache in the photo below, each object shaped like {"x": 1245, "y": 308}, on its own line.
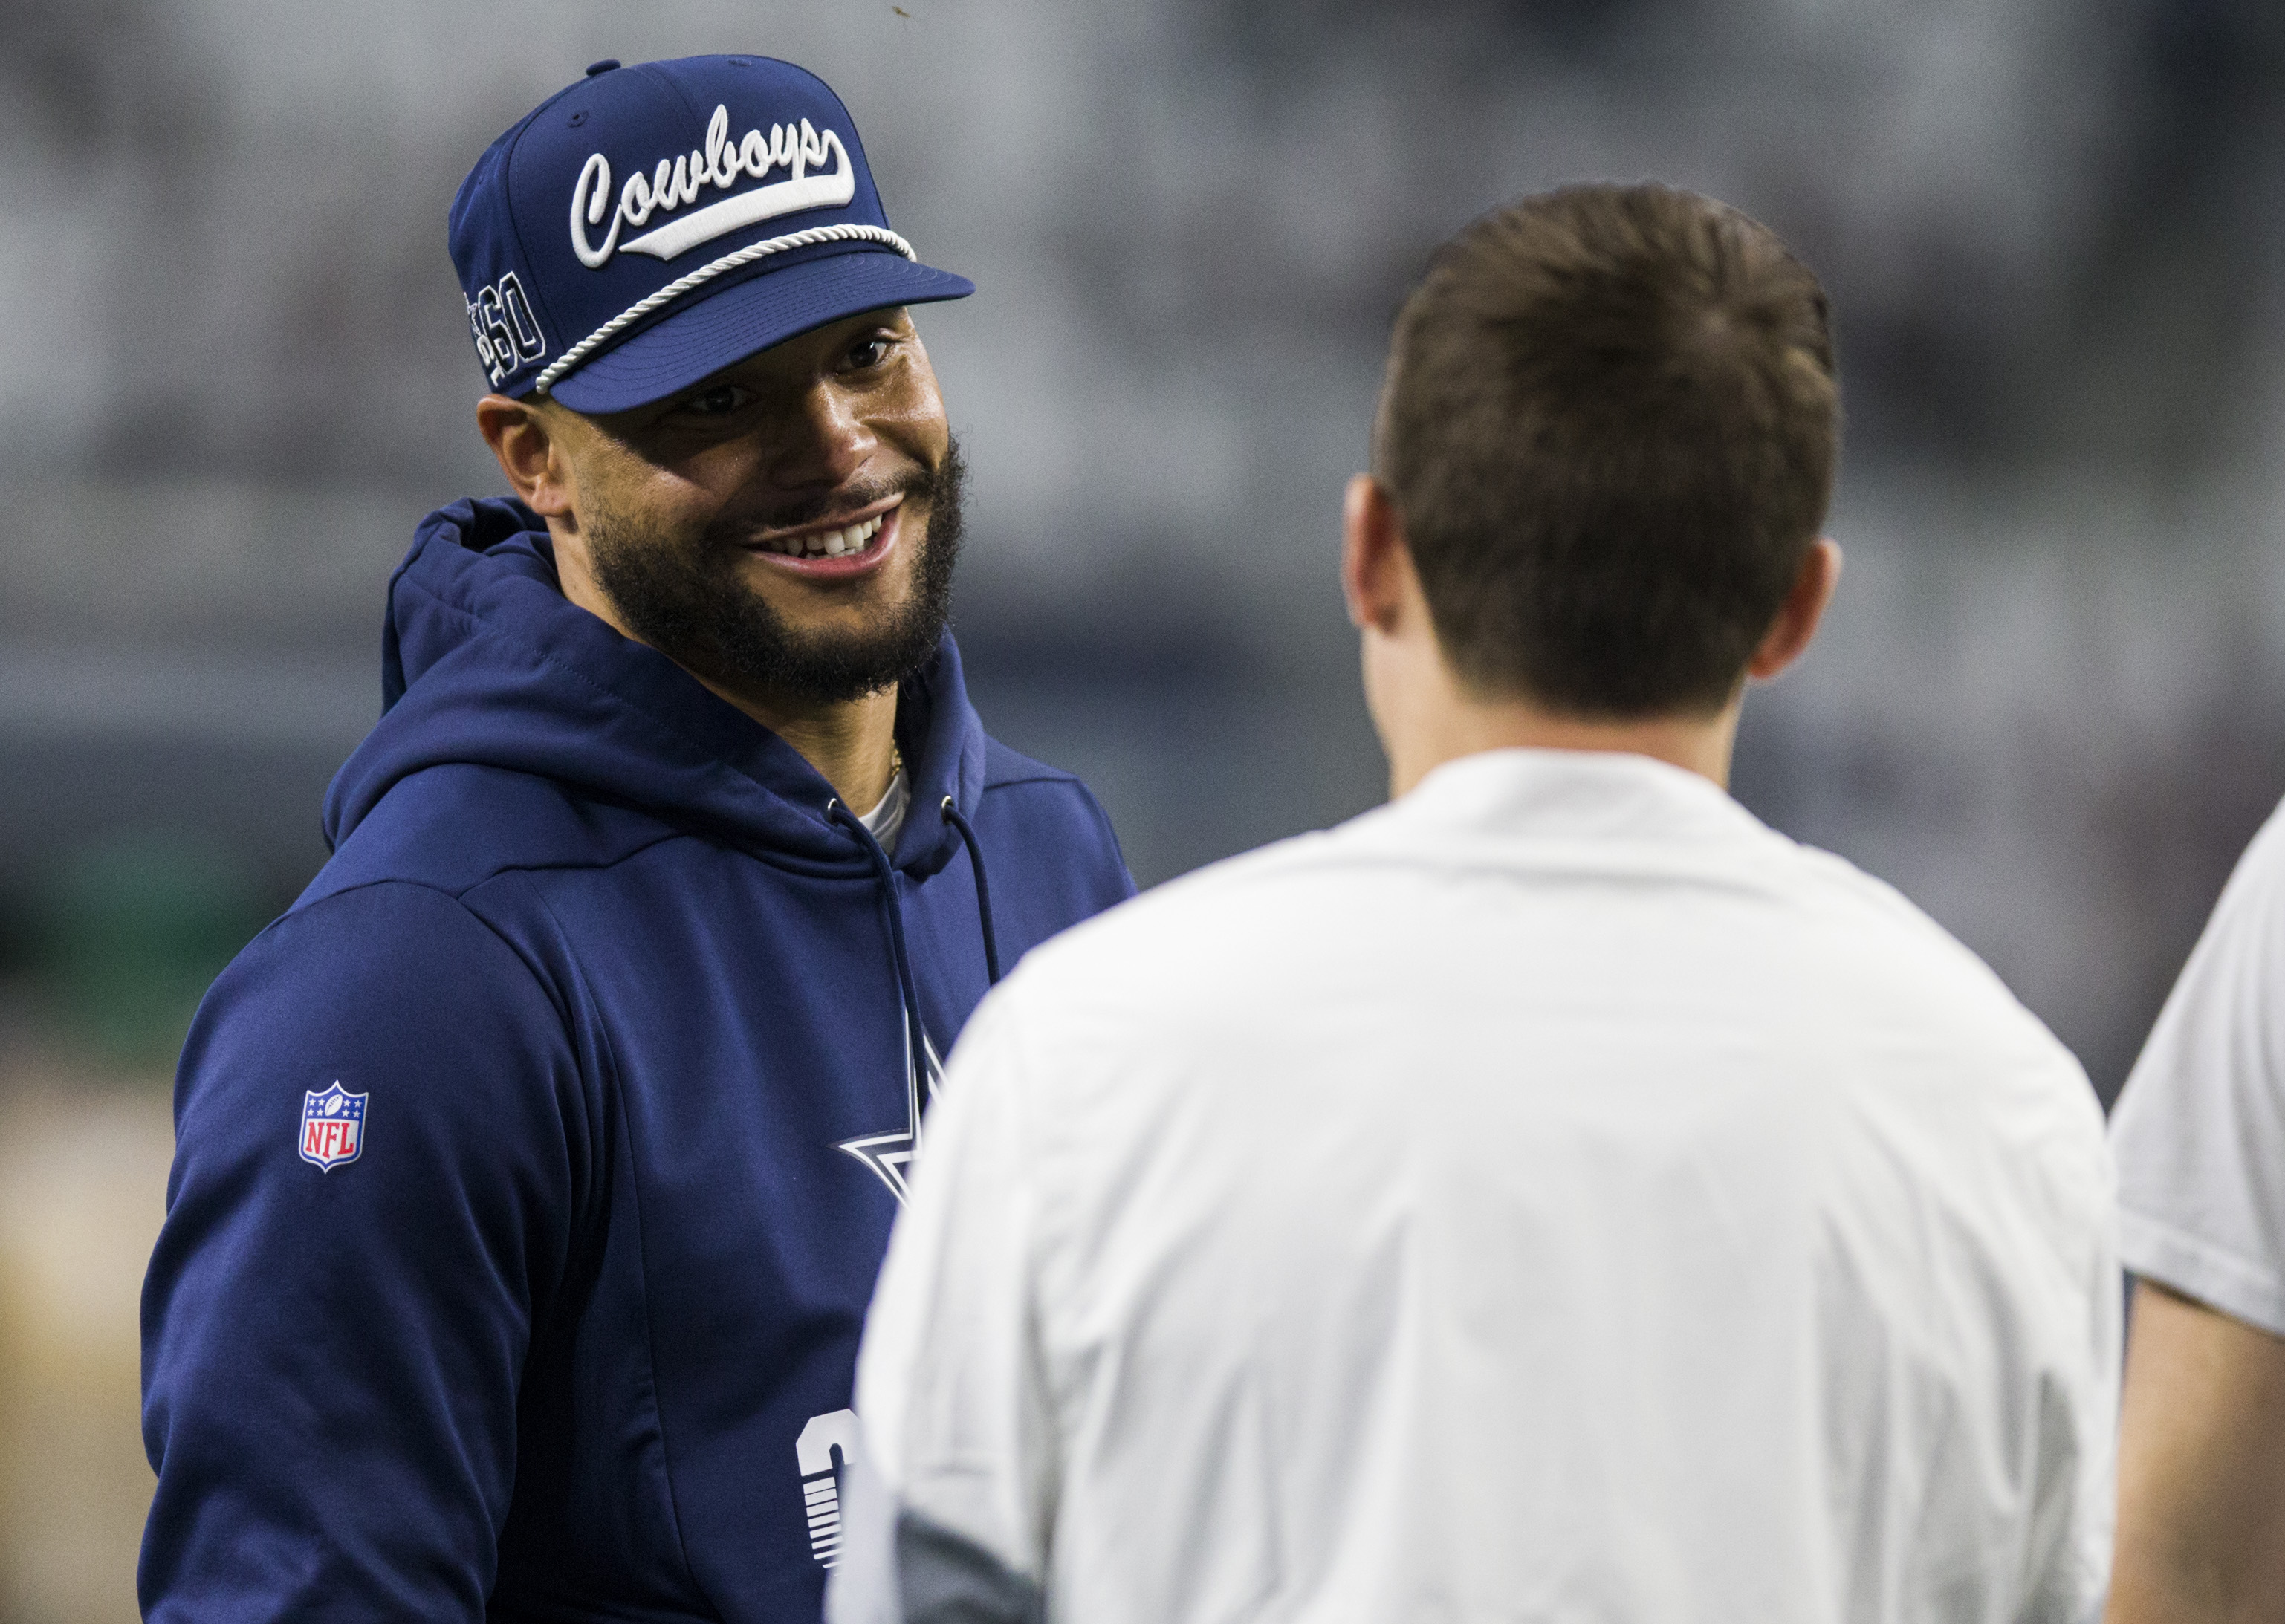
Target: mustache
{"x": 922, "y": 484}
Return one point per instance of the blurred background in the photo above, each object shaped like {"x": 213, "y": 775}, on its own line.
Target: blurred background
{"x": 234, "y": 372}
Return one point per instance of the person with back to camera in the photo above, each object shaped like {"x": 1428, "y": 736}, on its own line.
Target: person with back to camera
{"x": 1553, "y": 1194}
{"x": 534, "y": 1170}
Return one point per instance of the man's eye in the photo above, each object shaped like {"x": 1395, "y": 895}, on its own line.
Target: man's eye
{"x": 715, "y": 402}
{"x": 868, "y": 352}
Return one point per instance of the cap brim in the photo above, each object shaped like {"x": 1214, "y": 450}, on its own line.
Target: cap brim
{"x": 723, "y": 328}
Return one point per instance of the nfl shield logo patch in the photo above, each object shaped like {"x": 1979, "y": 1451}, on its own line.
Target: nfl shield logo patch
{"x": 332, "y": 1126}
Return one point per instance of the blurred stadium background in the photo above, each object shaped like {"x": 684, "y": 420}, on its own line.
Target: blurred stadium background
{"x": 233, "y": 373}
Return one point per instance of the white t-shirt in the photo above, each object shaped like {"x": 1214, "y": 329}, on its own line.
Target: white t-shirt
{"x": 886, "y": 821}
{"x": 1553, "y": 1195}
{"x": 2200, "y": 1129}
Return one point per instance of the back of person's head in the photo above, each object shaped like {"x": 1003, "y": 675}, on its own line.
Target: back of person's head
{"x": 1609, "y": 426}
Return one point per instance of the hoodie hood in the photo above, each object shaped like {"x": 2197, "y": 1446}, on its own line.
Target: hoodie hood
{"x": 484, "y": 661}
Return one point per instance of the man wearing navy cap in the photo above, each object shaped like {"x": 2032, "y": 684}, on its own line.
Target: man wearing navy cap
{"x": 533, "y": 1171}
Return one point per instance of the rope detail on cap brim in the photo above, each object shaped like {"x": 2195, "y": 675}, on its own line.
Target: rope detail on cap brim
{"x": 675, "y": 290}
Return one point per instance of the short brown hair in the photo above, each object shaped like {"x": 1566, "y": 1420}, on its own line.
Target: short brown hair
{"x": 1609, "y": 424}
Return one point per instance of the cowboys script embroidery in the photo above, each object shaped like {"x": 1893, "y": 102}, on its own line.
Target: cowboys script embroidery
{"x": 679, "y": 181}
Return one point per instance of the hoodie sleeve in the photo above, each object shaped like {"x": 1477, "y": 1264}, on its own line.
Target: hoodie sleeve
{"x": 951, "y": 1502}
{"x": 336, "y": 1320}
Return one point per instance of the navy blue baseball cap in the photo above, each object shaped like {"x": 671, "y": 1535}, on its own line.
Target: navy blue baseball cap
{"x": 651, "y": 225}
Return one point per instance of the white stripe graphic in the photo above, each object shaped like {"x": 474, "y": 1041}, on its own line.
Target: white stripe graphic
{"x": 762, "y": 203}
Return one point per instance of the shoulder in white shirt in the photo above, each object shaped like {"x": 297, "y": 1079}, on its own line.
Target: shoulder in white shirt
{"x": 2200, "y": 1129}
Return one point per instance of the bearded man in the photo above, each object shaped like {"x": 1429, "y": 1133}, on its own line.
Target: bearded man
{"x": 533, "y": 1170}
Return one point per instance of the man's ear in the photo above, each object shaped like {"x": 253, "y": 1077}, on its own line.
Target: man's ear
{"x": 1374, "y": 557}
{"x": 1798, "y": 616}
{"x": 532, "y": 453}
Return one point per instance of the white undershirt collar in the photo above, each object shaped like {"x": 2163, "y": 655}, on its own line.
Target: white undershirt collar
{"x": 886, "y": 820}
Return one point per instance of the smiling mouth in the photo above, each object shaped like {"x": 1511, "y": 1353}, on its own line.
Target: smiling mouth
{"x": 825, "y": 544}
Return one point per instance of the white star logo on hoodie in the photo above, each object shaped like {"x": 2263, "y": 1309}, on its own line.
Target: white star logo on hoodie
{"x": 890, "y": 1156}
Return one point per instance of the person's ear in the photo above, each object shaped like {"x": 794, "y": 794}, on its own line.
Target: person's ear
{"x": 531, "y": 453}
{"x": 1374, "y": 557}
{"x": 1798, "y": 616}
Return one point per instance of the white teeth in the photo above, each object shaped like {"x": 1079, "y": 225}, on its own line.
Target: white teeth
{"x": 828, "y": 544}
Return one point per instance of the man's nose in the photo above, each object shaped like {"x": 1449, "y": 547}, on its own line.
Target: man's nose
{"x": 821, "y": 441}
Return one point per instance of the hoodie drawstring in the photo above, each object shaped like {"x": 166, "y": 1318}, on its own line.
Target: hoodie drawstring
{"x": 983, "y": 890}
{"x": 837, "y": 811}
{"x": 916, "y": 1056}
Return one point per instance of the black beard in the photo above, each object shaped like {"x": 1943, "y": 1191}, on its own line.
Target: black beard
{"x": 685, "y": 599}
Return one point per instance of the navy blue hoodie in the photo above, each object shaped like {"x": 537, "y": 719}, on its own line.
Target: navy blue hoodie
{"x": 533, "y": 1171}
